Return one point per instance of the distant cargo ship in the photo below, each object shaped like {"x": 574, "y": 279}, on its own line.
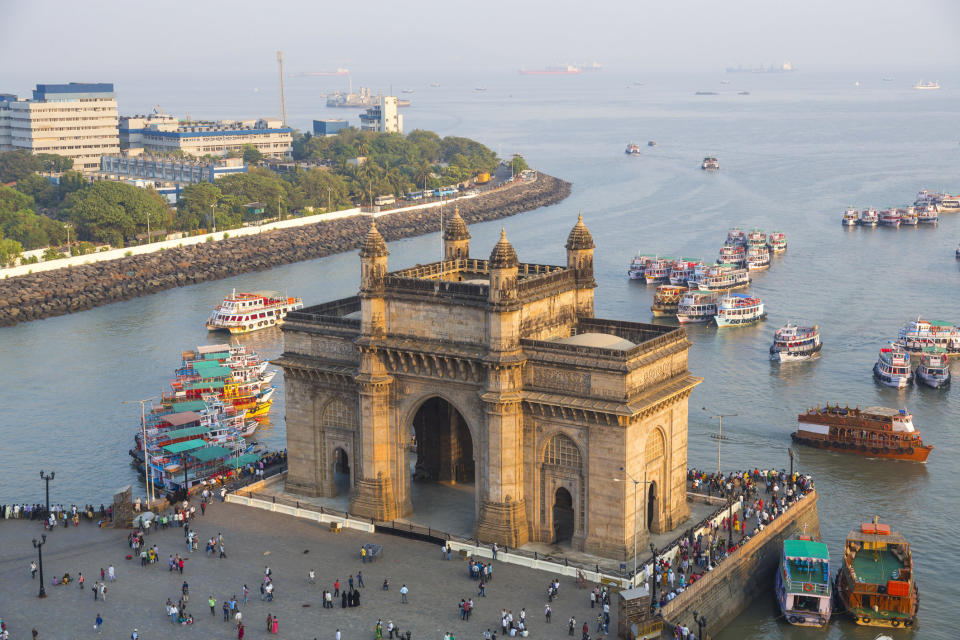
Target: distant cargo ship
{"x": 927, "y": 85}
{"x": 339, "y": 72}
{"x": 786, "y": 67}
{"x": 564, "y": 70}
{"x": 361, "y": 100}
{"x": 594, "y": 66}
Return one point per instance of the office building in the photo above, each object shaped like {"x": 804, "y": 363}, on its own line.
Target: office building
{"x": 384, "y": 117}
{"x": 329, "y": 127}
{"x": 162, "y": 133}
{"x": 76, "y": 120}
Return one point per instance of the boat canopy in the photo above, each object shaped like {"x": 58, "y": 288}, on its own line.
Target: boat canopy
{"x": 189, "y": 405}
{"x": 211, "y": 384}
{"x": 186, "y": 445}
{"x": 805, "y": 550}
{"x": 941, "y": 323}
{"x": 188, "y": 432}
{"x": 210, "y": 453}
{"x": 180, "y": 418}
{"x": 212, "y": 348}
{"x": 248, "y": 458}
{"x": 212, "y": 369}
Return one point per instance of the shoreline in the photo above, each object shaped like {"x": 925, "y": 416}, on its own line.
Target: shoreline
{"x": 58, "y": 292}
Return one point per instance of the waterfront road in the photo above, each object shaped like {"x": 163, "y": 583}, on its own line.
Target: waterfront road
{"x": 290, "y": 547}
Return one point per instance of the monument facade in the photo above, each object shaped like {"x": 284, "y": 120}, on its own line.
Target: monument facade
{"x": 492, "y": 372}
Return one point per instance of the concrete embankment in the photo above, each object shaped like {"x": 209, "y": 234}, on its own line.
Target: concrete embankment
{"x": 54, "y": 293}
{"x": 722, "y": 594}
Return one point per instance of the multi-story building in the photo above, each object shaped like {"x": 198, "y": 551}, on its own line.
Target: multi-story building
{"x": 384, "y": 117}
{"x": 163, "y": 133}
{"x": 76, "y": 120}
{"x": 329, "y": 127}
{"x": 182, "y": 172}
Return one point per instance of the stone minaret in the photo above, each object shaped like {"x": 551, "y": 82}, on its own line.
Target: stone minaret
{"x": 580, "y": 260}
{"x": 456, "y": 238}
{"x": 503, "y": 510}
{"x": 374, "y": 495}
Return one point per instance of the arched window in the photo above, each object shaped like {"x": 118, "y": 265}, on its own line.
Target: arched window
{"x": 338, "y": 414}
{"x": 655, "y": 446}
{"x": 562, "y": 452}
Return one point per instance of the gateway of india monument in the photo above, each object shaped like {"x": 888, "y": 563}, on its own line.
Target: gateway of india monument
{"x": 493, "y": 372}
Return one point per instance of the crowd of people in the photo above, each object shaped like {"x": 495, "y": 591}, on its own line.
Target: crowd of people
{"x": 58, "y": 515}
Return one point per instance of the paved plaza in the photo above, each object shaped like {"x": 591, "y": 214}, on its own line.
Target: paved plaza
{"x": 291, "y": 547}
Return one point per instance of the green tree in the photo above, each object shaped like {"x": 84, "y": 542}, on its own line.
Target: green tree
{"x": 251, "y": 155}
{"x": 19, "y": 222}
{"x": 518, "y": 164}
{"x": 55, "y": 163}
{"x": 10, "y": 250}
{"x": 113, "y": 211}
{"x": 16, "y": 165}
{"x": 70, "y": 181}
{"x": 321, "y": 188}
{"x": 43, "y": 192}
{"x": 194, "y": 207}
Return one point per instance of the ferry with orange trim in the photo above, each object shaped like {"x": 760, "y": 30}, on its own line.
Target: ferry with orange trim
{"x": 246, "y": 312}
{"x": 875, "y": 432}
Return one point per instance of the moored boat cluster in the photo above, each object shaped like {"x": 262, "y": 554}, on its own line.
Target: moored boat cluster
{"x": 926, "y": 209}
{"x": 932, "y": 341}
{"x": 197, "y": 432}
{"x": 698, "y": 292}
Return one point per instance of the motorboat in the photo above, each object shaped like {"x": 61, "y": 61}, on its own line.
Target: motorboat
{"x": 893, "y": 367}
{"x": 792, "y": 343}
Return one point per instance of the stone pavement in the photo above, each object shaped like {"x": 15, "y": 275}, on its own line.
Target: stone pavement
{"x": 291, "y": 547}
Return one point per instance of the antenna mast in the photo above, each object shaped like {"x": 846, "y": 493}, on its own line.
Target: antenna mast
{"x": 283, "y": 103}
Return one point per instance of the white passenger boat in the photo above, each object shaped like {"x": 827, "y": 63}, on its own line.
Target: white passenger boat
{"x": 736, "y": 235}
{"x": 869, "y": 217}
{"x": 724, "y": 277}
{"x": 908, "y": 216}
{"x": 245, "y": 312}
{"x": 948, "y": 204}
{"x": 710, "y": 163}
{"x": 682, "y": 271}
{"x": 803, "y": 582}
{"x": 733, "y": 254}
{"x": 890, "y": 218}
{"x": 792, "y": 343}
{"x": 756, "y": 238}
{"x": 698, "y": 272}
{"x": 658, "y": 271}
{"x": 758, "y": 258}
{"x": 697, "y": 306}
{"x": 851, "y": 218}
{"x": 893, "y": 367}
{"x": 739, "y": 309}
{"x": 777, "y": 241}
{"x": 639, "y": 265}
{"x": 934, "y": 370}
{"x": 928, "y": 214}
{"x": 633, "y": 149}
{"x": 920, "y": 334}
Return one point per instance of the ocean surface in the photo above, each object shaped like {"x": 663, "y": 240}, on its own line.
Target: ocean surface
{"x": 794, "y": 154}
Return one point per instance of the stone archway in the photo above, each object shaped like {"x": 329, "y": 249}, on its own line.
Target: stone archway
{"x": 651, "y": 504}
{"x": 442, "y": 468}
{"x": 342, "y": 472}
{"x": 563, "y": 518}
{"x": 654, "y": 456}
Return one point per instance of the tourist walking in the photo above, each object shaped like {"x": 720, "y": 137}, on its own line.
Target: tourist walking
{"x": 403, "y": 594}
{"x": 98, "y": 624}
{"x": 213, "y": 605}
{"x": 33, "y": 569}
{"x": 112, "y": 573}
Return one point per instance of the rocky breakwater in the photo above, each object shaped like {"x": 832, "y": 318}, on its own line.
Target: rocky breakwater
{"x": 68, "y": 290}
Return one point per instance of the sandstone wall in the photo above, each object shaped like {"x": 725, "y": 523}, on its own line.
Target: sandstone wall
{"x": 722, "y": 594}
{"x": 54, "y": 293}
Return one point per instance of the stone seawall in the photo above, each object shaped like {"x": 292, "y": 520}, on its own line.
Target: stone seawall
{"x": 722, "y": 594}
{"x": 54, "y": 293}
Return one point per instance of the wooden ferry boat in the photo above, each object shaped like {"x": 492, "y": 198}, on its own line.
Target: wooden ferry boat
{"x": 697, "y": 306}
{"x": 244, "y": 312}
{"x": 851, "y": 218}
{"x": 666, "y": 300}
{"x": 934, "y": 370}
{"x": 710, "y": 164}
{"x": 876, "y": 432}
{"x": 869, "y": 217}
{"x": 777, "y": 242}
{"x": 724, "y": 277}
{"x": 803, "y": 582}
{"x": 875, "y": 584}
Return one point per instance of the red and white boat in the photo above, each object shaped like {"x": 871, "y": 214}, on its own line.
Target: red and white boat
{"x": 869, "y": 218}
{"x": 890, "y": 218}
{"x": 658, "y": 270}
{"x": 245, "y": 312}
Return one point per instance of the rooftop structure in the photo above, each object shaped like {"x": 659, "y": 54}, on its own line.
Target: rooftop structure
{"x": 383, "y": 117}
{"x": 163, "y": 133}
{"x": 75, "y": 120}
{"x": 329, "y": 127}
{"x": 501, "y": 375}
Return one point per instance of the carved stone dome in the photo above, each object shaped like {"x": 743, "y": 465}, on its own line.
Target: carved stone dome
{"x": 503, "y": 256}
{"x": 374, "y": 246}
{"x": 580, "y": 237}
{"x": 455, "y": 228}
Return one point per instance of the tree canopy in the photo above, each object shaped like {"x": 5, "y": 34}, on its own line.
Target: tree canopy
{"x": 109, "y": 211}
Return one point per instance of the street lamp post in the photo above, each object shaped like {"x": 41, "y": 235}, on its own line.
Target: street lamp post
{"x": 147, "y": 471}
{"x": 636, "y": 484}
{"x": 39, "y": 547}
{"x": 701, "y": 624}
{"x": 48, "y": 477}
{"x": 720, "y": 417}
{"x": 213, "y": 217}
{"x": 653, "y": 552}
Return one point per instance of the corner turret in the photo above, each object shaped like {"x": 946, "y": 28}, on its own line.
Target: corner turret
{"x": 580, "y": 260}
{"x": 504, "y": 268}
{"x": 456, "y": 238}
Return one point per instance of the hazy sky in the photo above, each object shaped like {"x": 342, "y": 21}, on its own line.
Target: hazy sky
{"x": 56, "y": 41}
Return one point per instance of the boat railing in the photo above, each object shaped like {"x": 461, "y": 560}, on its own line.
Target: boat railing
{"x": 807, "y": 588}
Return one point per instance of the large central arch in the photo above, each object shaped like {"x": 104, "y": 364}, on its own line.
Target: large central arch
{"x": 441, "y": 463}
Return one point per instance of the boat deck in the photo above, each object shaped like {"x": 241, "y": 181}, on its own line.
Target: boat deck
{"x": 876, "y": 567}
{"x": 818, "y": 573}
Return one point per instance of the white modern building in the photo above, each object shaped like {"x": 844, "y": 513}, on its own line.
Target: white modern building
{"x": 163, "y": 133}
{"x": 76, "y": 120}
{"x": 384, "y": 117}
